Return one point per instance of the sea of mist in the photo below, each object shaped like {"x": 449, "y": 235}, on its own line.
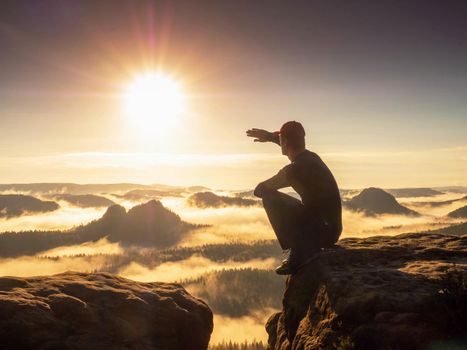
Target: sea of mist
{"x": 226, "y": 225}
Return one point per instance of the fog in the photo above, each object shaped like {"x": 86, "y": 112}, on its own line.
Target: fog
{"x": 39, "y": 266}
{"x": 64, "y": 218}
{"x": 421, "y": 204}
{"x": 227, "y": 224}
{"x": 192, "y": 267}
{"x": 251, "y": 223}
{"x": 241, "y": 328}
{"x": 102, "y": 246}
{"x": 358, "y": 225}
{"x": 247, "y": 223}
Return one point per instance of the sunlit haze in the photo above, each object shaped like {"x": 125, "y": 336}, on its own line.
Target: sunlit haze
{"x": 139, "y": 91}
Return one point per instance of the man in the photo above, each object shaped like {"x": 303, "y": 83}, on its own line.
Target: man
{"x": 307, "y": 226}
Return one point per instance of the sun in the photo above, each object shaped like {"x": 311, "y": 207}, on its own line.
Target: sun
{"x": 154, "y": 100}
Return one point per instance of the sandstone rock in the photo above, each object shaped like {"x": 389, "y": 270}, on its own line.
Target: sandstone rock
{"x": 147, "y": 224}
{"x": 402, "y": 292}
{"x": 459, "y": 213}
{"x": 100, "y": 311}
{"x": 375, "y": 201}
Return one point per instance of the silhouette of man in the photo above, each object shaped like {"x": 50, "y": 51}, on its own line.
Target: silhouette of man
{"x": 304, "y": 227}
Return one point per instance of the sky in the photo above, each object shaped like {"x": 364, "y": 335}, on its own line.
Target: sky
{"x": 380, "y": 87}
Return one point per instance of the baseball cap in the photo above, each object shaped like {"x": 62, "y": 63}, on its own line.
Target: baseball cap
{"x": 291, "y": 129}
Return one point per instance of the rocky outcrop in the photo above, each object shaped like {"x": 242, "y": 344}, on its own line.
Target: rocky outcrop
{"x": 152, "y": 224}
{"x": 149, "y": 224}
{"x": 401, "y": 292}
{"x": 375, "y": 201}
{"x": 12, "y": 205}
{"x": 100, "y": 311}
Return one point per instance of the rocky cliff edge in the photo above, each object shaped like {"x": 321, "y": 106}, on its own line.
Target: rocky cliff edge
{"x": 401, "y": 292}
{"x": 100, "y": 311}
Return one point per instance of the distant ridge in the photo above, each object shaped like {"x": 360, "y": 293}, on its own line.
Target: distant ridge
{"x": 456, "y": 229}
{"x": 147, "y": 194}
{"x": 84, "y": 200}
{"x": 13, "y": 205}
{"x": 459, "y": 213}
{"x": 413, "y": 192}
{"x": 441, "y": 203}
{"x": 375, "y": 201}
{"x": 455, "y": 189}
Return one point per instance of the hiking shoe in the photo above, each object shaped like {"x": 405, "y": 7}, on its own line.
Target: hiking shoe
{"x": 288, "y": 265}
{"x": 292, "y": 264}
{"x": 284, "y": 268}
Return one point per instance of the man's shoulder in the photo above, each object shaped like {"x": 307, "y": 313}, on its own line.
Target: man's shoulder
{"x": 308, "y": 156}
{"x": 305, "y": 162}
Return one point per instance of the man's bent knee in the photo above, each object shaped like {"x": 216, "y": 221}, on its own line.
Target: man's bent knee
{"x": 269, "y": 196}
{"x": 261, "y": 190}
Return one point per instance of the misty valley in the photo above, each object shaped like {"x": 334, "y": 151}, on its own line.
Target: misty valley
{"x": 216, "y": 243}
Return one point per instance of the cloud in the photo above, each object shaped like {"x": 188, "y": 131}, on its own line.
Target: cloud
{"x": 228, "y": 223}
{"x": 358, "y": 225}
{"x": 192, "y": 267}
{"x": 213, "y": 170}
{"x": 241, "y": 328}
{"x": 102, "y": 246}
{"x": 249, "y": 224}
{"x": 145, "y": 160}
{"x": 64, "y": 218}
{"x": 422, "y": 204}
{"x": 209, "y": 199}
{"x": 454, "y": 149}
{"x": 37, "y": 266}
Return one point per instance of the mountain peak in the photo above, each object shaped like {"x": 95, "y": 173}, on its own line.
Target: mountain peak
{"x": 145, "y": 224}
{"x": 376, "y": 201}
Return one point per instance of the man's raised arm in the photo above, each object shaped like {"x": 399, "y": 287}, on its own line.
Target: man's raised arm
{"x": 263, "y": 135}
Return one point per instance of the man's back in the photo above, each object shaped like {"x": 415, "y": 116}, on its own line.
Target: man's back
{"x": 313, "y": 181}
{"x": 304, "y": 226}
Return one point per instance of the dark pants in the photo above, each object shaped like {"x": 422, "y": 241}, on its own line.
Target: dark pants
{"x": 293, "y": 226}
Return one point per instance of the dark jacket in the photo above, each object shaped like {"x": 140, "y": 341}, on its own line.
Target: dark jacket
{"x": 309, "y": 176}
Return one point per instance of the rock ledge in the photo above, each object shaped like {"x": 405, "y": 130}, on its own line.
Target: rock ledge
{"x": 401, "y": 292}
{"x": 100, "y": 311}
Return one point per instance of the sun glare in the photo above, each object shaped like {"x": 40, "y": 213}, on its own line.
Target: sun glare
{"x": 154, "y": 101}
